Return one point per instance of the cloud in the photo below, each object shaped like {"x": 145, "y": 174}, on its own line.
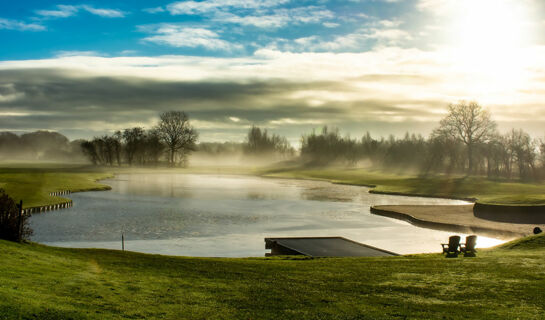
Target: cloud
{"x": 257, "y": 13}
{"x": 277, "y": 18}
{"x": 154, "y": 10}
{"x": 107, "y": 13}
{"x": 63, "y": 54}
{"x": 83, "y": 103}
{"x": 356, "y": 41}
{"x": 188, "y": 37}
{"x": 331, "y": 24}
{"x": 9, "y": 24}
{"x": 62, "y": 11}
{"x": 207, "y": 6}
{"x": 65, "y": 11}
{"x": 385, "y": 90}
{"x": 9, "y": 94}
{"x": 67, "y": 100}
{"x": 127, "y": 53}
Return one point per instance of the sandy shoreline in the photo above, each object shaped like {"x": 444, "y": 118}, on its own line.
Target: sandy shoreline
{"x": 454, "y": 219}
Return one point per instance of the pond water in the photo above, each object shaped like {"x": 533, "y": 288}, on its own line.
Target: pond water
{"x": 229, "y": 216}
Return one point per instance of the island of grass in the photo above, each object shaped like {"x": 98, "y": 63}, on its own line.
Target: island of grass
{"x": 40, "y": 282}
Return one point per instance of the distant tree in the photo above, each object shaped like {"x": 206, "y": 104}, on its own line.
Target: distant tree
{"x": 107, "y": 147}
{"x": 468, "y": 123}
{"x": 259, "y": 142}
{"x": 118, "y": 146}
{"x": 324, "y": 148}
{"x": 11, "y": 145}
{"x": 134, "y": 140}
{"x": 493, "y": 152}
{"x": 90, "y": 151}
{"x": 523, "y": 150}
{"x": 221, "y": 148}
{"x": 10, "y": 225}
{"x": 44, "y": 144}
{"x": 541, "y": 156}
{"x": 153, "y": 147}
{"x": 177, "y": 134}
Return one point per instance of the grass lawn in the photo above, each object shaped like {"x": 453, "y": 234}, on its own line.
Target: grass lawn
{"x": 40, "y": 282}
{"x": 480, "y": 188}
{"x": 33, "y": 183}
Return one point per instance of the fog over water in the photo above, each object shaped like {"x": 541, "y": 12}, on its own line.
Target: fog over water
{"x": 220, "y": 215}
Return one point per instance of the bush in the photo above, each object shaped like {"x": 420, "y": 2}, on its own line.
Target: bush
{"x": 9, "y": 220}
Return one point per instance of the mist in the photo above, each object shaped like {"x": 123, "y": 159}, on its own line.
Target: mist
{"x": 40, "y": 146}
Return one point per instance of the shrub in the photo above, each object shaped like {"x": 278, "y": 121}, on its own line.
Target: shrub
{"x": 9, "y": 220}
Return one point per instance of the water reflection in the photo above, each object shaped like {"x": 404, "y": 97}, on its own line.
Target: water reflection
{"x": 210, "y": 215}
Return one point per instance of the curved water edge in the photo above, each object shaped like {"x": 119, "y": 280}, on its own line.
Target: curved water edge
{"x": 447, "y": 226}
{"x": 223, "y": 215}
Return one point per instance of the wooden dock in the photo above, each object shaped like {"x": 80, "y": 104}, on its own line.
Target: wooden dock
{"x": 322, "y": 247}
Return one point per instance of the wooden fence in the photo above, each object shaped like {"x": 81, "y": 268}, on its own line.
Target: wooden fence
{"x": 63, "y": 205}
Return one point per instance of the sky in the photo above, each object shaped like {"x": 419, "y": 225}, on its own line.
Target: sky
{"x": 86, "y": 68}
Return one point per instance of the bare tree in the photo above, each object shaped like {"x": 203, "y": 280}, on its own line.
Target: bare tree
{"x": 177, "y": 134}
{"x": 468, "y": 123}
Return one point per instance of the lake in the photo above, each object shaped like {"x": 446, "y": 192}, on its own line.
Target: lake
{"x": 229, "y": 216}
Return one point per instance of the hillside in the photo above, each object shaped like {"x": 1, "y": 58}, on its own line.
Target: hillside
{"x": 40, "y": 282}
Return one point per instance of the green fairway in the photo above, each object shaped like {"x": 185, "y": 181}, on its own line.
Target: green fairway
{"x": 33, "y": 183}
{"x": 39, "y": 282}
{"x": 480, "y": 188}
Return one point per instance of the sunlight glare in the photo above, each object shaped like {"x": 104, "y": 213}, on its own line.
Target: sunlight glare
{"x": 491, "y": 26}
{"x": 487, "y": 39}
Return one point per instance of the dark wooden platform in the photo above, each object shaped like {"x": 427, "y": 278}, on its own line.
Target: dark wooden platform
{"x": 322, "y": 247}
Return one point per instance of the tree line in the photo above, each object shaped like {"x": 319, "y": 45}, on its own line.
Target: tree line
{"x": 39, "y": 146}
{"x": 172, "y": 139}
{"x": 466, "y": 141}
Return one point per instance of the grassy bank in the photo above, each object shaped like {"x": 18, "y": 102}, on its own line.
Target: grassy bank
{"x": 33, "y": 183}
{"x": 39, "y": 282}
{"x": 480, "y": 188}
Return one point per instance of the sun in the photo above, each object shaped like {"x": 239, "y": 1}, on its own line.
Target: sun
{"x": 487, "y": 40}
{"x": 490, "y": 25}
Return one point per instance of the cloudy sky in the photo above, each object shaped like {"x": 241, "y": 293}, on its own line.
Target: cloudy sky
{"x": 385, "y": 66}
